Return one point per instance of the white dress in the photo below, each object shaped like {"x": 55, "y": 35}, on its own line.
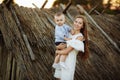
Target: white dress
{"x": 68, "y": 74}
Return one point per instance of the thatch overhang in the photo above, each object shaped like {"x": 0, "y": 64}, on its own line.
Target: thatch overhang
{"x": 19, "y": 25}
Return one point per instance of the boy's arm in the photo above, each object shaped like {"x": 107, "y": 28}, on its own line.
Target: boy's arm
{"x": 72, "y": 31}
{"x": 66, "y": 39}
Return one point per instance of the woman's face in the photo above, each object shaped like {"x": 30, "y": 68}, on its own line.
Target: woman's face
{"x": 78, "y": 23}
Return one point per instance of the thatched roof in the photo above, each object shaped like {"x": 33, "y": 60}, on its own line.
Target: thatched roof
{"x": 27, "y": 30}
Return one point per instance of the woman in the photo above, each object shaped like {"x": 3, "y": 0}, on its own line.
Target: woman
{"x": 73, "y": 48}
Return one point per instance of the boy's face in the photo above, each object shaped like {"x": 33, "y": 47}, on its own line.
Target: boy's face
{"x": 60, "y": 20}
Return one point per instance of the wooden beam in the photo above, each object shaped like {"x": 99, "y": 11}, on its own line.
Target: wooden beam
{"x": 35, "y": 5}
{"x": 23, "y": 34}
{"x": 44, "y": 4}
{"x": 8, "y": 2}
{"x": 67, "y": 13}
{"x": 68, "y": 5}
{"x": 93, "y": 8}
{"x": 51, "y": 21}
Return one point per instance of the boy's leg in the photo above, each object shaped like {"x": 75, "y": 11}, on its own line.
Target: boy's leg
{"x": 63, "y": 58}
{"x": 56, "y": 62}
{"x": 57, "y": 58}
{"x": 62, "y": 61}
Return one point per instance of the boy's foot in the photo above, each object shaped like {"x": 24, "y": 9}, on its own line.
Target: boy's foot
{"x": 63, "y": 65}
{"x": 56, "y": 65}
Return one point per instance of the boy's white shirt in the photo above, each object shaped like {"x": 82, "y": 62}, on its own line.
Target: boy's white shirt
{"x": 61, "y": 32}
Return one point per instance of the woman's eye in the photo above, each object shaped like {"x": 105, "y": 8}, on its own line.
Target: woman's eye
{"x": 75, "y": 21}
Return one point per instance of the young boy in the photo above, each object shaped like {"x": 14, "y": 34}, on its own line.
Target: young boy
{"x": 61, "y": 35}
{"x": 61, "y": 29}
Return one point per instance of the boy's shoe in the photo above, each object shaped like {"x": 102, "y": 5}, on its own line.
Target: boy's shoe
{"x": 56, "y": 65}
{"x": 63, "y": 65}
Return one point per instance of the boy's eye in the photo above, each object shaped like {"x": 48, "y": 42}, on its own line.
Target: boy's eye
{"x": 57, "y": 20}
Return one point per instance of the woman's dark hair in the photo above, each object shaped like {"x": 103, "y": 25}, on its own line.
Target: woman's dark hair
{"x": 84, "y": 55}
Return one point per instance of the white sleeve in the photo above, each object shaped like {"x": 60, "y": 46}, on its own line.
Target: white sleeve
{"x": 76, "y": 44}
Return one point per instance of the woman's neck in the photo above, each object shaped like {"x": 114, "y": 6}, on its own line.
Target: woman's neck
{"x": 77, "y": 32}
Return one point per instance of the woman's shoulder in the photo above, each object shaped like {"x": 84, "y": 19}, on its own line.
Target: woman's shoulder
{"x": 79, "y": 34}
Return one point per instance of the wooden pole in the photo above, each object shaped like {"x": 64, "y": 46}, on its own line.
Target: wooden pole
{"x": 68, "y": 5}
{"x": 93, "y": 8}
{"x": 23, "y": 34}
{"x": 44, "y": 4}
{"x": 67, "y": 13}
{"x": 51, "y": 21}
{"x": 35, "y": 5}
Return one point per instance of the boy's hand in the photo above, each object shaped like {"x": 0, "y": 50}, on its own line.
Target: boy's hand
{"x": 59, "y": 52}
{"x": 67, "y": 38}
{"x": 72, "y": 31}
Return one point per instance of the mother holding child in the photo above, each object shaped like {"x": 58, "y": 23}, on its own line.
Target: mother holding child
{"x": 76, "y": 41}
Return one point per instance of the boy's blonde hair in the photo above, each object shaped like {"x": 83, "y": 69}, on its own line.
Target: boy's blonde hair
{"x": 58, "y": 14}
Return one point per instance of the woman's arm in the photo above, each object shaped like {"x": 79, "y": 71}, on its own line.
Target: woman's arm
{"x": 65, "y": 51}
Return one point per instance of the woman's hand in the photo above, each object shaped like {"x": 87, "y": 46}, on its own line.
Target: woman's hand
{"x": 60, "y": 52}
{"x": 57, "y": 51}
{"x": 64, "y": 51}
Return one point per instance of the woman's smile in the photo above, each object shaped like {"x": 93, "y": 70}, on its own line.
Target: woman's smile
{"x": 78, "y": 24}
